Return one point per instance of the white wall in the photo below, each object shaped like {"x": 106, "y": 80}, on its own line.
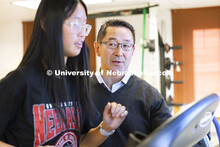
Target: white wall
{"x": 11, "y": 46}
{"x": 152, "y": 59}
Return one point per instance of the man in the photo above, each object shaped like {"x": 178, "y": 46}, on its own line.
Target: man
{"x": 146, "y": 107}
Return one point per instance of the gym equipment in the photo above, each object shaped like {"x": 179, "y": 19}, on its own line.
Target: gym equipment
{"x": 165, "y": 63}
{"x": 184, "y": 129}
{"x": 170, "y": 102}
{"x": 168, "y": 63}
{"x": 150, "y": 45}
{"x": 143, "y": 38}
{"x": 162, "y": 58}
{"x": 168, "y": 48}
{"x": 168, "y": 82}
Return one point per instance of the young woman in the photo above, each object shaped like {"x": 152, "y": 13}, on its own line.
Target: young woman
{"x": 39, "y": 107}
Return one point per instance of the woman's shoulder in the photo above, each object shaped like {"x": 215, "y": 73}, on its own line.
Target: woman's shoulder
{"x": 24, "y": 74}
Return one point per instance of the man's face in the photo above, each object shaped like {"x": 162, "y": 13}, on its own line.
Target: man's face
{"x": 115, "y": 59}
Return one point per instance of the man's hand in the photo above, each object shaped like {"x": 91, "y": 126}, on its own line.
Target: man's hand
{"x": 113, "y": 115}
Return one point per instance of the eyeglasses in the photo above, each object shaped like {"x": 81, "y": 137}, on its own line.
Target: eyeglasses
{"x": 114, "y": 45}
{"x": 77, "y": 27}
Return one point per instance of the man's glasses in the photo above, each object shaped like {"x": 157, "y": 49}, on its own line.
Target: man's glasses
{"x": 77, "y": 27}
{"x": 113, "y": 45}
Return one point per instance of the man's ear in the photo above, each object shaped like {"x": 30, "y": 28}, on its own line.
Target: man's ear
{"x": 133, "y": 50}
{"x": 96, "y": 47}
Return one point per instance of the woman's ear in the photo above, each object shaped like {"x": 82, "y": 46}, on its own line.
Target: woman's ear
{"x": 96, "y": 47}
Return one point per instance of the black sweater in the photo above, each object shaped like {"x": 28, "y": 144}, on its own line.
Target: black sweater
{"x": 146, "y": 108}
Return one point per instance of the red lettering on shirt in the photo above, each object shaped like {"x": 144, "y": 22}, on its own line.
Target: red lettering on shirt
{"x": 62, "y": 122}
{"x": 69, "y": 118}
{"x": 49, "y": 124}
{"x": 56, "y": 122}
{"x": 38, "y": 111}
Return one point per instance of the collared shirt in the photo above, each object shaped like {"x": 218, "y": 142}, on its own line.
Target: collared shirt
{"x": 115, "y": 86}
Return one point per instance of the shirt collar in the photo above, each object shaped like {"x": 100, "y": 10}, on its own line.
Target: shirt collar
{"x": 123, "y": 80}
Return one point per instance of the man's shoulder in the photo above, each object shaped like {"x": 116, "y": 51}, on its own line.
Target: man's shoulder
{"x": 141, "y": 84}
{"x": 138, "y": 81}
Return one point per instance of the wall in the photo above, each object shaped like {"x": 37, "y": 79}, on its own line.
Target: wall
{"x": 11, "y": 46}
{"x": 200, "y": 38}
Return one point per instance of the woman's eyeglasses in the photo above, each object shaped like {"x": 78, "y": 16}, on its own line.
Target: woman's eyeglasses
{"x": 77, "y": 27}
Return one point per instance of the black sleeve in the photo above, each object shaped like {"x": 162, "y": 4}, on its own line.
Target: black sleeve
{"x": 9, "y": 95}
{"x": 159, "y": 110}
{"x": 88, "y": 120}
{"x": 85, "y": 124}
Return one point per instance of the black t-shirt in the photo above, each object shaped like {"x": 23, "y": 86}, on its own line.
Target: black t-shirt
{"x": 27, "y": 116}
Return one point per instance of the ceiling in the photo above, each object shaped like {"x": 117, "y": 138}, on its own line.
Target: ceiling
{"x": 9, "y": 12}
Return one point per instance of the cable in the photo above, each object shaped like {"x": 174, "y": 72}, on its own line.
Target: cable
{"x": 143, "y": 38}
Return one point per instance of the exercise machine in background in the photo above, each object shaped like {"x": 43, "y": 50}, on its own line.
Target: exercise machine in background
{"x": 165, "y": 64}
{"x": 184, "y": 129}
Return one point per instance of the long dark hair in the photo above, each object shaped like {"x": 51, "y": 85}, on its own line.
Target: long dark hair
{"x": 46, "y": 46}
